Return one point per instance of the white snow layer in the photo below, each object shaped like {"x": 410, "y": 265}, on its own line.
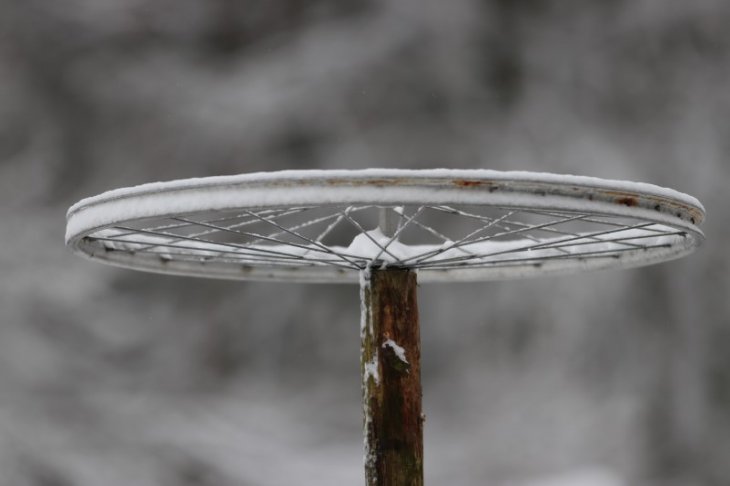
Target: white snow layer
{"x": 264, "y": 189}
{"x": 364, "y": 311}
{"x": 399, "y": 351}
{"x": 303, "y": 175}
{"x": 371, "y": 370}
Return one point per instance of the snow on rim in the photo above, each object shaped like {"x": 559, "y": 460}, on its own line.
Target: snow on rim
{"x": 446, "y": 174}
{"x": 386, "y": 186}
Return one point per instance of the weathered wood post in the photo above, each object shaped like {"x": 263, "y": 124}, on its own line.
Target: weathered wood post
{"x": 390, "y": 363}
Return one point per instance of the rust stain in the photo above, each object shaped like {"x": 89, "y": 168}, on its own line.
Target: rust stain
{"x": 367, "y": 182}
{"x": 659, "y": 204}
{"x": 627, "y": 201}
{"x": 468, "y": 183}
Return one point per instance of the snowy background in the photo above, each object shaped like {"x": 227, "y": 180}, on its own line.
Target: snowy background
{"x": 111, "y": 377}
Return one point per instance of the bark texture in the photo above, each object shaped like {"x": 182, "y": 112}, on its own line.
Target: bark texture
{"x": 391, "y": 371}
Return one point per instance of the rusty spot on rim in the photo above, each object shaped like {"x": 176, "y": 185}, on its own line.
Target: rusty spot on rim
{"x": 367, "y": 182}
{"x": 469, "y": 183}
{"x": 628, "y": 201}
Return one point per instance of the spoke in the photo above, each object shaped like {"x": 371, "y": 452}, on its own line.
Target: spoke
{"x": 497, "y": 235}
{"x": 397, "y": 233}
{"x": 437, "y": 234}
{"x": 198, "y": 254}
{"x": 329, "y": 229}
{"x": 208, "y": 231}
{"x": 589, "y": 235}
{"x": 399, "y": 210}
{"x": 510, "y": 222}
{"x": 547, "y": 229}
{"x": 250, "y": 259}
{"x": 429, "y": 229}
{"x": 232, "y": 245}
{"x": 245, "y": 251}
{"x": 248, "y": 222}
{"x": 461, "y": 242}
{"x": 570, "y": 233}
{"x": 168, "y": 226}
{"x": 239, "y": 224}
{"x": 316, "y": 244}
{"x": 294, "y": 237}
{"x": 305, "y": 224}
{"x": 594, "y": 219}
{"x": 543, "y": 245}
{"x": 536, "y": 260}
{"x": 363, "y": 231}
{"x": 339, "y": 219}
{"x": 201, "y": 250}
{"x": 623, "y": 241}
{"x": 529, "y": 236}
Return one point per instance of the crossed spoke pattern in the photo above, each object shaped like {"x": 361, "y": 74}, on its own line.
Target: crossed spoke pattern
{"x": 424, "y": 237}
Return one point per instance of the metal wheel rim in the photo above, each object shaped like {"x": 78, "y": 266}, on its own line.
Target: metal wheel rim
{"x": 385, "y": 188}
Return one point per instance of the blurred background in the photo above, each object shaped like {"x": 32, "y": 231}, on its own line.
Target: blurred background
{"x": 111, "y": 377}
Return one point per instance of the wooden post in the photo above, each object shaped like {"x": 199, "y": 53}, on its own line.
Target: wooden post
{"x": 390, "y": 363}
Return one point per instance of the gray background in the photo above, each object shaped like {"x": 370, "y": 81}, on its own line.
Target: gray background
{"x": 111, "y": 377}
